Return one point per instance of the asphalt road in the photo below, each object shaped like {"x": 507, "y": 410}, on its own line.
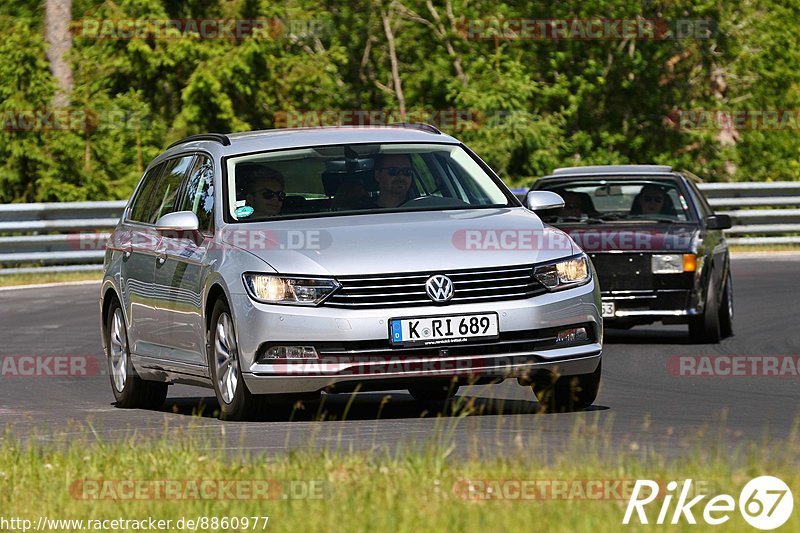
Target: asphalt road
{"x": 642, "y": 404}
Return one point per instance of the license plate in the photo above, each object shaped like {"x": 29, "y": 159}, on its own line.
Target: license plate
{"x": 452, "y": 329}
{"x": 609, "y": 308}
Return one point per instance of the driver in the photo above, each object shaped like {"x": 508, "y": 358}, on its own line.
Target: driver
{"x": 651, "y": 200}
{"x": 394, "y": 173}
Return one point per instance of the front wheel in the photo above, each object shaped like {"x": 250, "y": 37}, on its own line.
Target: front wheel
{"x": 706, "y": 328}
{"x": 129, "y": 389}
{"x": 726, "y": 309}
{"x": 558, "y": 394}
{"x": 235, "y": 401}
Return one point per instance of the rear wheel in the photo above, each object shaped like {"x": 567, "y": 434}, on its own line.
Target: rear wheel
{"x": 435, "y": 392}
{"x": 235, "y": 401}
{"x": 558, "y": 394}
{"x": 129, "y": 389}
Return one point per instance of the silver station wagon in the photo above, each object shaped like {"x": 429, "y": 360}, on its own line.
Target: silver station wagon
{"x": 290, "y": 262}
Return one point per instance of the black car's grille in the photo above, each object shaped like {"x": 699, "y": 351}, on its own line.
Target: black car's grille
{"x": 623, "y": 271}
{"x": 405, "y": 290}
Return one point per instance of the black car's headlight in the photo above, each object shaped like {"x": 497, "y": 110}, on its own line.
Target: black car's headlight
{"x": 673, "y": 263}
{"x": 564, "y": 273}
{"x": 272, "y": 289}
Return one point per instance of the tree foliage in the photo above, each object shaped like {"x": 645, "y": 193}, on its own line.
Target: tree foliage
{"x": 534, "y": 104}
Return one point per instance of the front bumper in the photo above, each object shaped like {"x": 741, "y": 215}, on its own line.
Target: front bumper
{"x": 388, "y": 374}
{"x": 670, "y": 305}
{"x": 259, "y": 323}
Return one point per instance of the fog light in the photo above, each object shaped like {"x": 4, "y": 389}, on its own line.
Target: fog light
{"x": 291, "y": 352}
{"x": 572, "y": 335}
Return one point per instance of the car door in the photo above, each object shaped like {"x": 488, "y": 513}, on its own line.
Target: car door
{"x": 715, "y": 247}
{"x": 138, "y": 241}
{"x": 180, "y": 270}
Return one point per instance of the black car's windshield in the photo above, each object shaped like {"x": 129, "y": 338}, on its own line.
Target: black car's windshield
{"x": 609, "y": 199}
{"x": 356, "y": 179}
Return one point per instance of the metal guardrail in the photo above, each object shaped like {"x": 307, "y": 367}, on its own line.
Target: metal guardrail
{"x": 57, "y": 237}
{"x": 65, "y": 237}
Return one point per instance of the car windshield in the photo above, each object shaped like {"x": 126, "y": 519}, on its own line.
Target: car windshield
{"x": 606, "y": 199}
{"x": 358, "y": 178}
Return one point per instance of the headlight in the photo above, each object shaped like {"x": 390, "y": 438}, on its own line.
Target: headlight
{"x": 673, "y": 263}
{"x": 564, "y": 274}
{"x": 270, "y": 289}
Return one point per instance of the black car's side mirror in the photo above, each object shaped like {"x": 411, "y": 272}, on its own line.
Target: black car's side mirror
{"x": 718, "y": 222}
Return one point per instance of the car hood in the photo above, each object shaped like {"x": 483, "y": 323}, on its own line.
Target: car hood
{"x": 641, "y": 237}
{"x": 424, "y": 241}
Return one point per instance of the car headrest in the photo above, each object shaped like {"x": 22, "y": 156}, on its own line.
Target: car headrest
{"x": 332, "y": 180}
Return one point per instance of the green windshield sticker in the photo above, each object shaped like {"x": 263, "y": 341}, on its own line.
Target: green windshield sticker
{"x": 244, "y": 211}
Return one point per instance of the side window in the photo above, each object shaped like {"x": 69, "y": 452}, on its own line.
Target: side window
{"x": 166, "y": 195}
{"x": 198, "y": 195}
{"x": 702, "y": 203}
{"x": 142, "y": 206}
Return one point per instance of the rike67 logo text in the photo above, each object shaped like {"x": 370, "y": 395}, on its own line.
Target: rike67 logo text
{"x": 765, "y": 503}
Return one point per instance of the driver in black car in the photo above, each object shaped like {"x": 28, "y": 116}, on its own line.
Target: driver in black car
{"x": 394, "y": 173}
{"x": 652, "y": 200}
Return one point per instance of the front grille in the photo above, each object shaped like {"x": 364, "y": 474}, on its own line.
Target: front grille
{"x": 405, "y": 290}
{"x": 623, "y": 271}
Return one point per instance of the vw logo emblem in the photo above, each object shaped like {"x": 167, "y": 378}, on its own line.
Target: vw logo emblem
{"x": 439, "y": 288}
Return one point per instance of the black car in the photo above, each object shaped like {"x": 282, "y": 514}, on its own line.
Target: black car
{"x": 657, "y": 245}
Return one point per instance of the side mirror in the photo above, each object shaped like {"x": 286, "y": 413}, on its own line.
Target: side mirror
{"x": 543, "y": 200}
{"x": 718, "y": 222}
{"x": 179, "y": 221}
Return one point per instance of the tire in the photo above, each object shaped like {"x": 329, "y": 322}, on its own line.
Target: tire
{"x": 434, "y": 392}
{"x": 566, "y": 393}
{"x": 236, "y": 402}
{"x": 726, "y": 310}
{"x": 706, "y": 328}
{"x": 130, "y": 391}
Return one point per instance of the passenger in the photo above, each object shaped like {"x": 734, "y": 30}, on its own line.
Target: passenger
{"x": 394, "y": 173}
{"x": 262, "y": 188}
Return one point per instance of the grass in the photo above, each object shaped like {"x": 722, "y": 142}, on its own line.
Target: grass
{"x": 10, "y": 280}
{"x": 771, "y": 248}
{"x": 423, "y": 487}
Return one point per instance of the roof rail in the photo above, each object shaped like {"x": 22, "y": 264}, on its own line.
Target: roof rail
{"x": 217, "y": 137}
{"x": 417, "y": 126}
{"x": 614, "y": 169}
